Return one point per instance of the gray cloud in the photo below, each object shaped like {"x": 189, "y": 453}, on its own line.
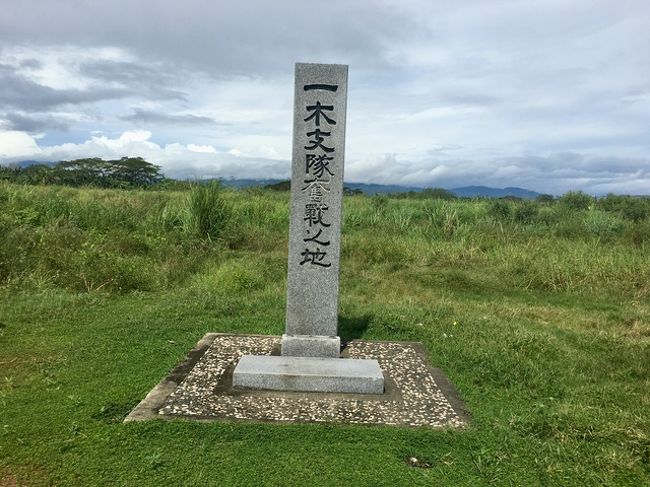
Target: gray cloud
{"x": 138, "y": 78}
{"x": 555, "y": 173}
{"x": 253, "y": 37}
{"x": 31, "y": 64}
{"x": 112, "y": 80}
{"x": 17, "y": 91}
{"x": 38, "y": 123}
{"x": 142, "y": 116}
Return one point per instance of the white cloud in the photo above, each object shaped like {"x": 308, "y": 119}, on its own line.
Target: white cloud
{"x": 132, "y": 136}
{"x": 14, "y": 144}
{"x": 205, "y": 149}
{"x": 555, "y": 173}
{"x": 176, "y": 159}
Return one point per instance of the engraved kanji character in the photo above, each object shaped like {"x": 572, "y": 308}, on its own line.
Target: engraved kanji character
{"x": 314, "y": 257}
{"x": 316, "y": 183}
{"x": 318, "y": 111}
{"x": 320, "y": 86}
{"x": 315, "y": 239}
{"x": 314, "y": 214}
{"x": 319, "y": 163}
{"x": 316, "y": 194}
{"x": 319, "y": 137}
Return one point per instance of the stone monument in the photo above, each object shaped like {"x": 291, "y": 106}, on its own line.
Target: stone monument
{"x": 302, "y": 376}
{"x": 310, "y": 347}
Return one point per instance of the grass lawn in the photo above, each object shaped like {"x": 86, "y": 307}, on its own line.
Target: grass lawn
{"x": 542, "y": 324}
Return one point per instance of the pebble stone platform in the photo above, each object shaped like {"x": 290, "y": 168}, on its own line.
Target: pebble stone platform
{"x": 201, "y": 388}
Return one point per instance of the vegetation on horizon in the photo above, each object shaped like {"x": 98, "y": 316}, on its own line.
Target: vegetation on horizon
{"x": 127, "y": 172}
{"x": 537, "y": 310}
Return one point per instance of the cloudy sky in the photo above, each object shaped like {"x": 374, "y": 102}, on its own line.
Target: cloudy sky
{"x": 549, "y": 95}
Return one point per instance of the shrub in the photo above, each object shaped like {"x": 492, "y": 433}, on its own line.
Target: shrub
{"x": 611, "y": 202}
{"x": 639, "y": 234}
{"x": 208, "y": 213}
{"x": 630, "y": 207}
{"x": 570, "y": 224}
{"x": 576, "y": 200}
{"x": 500, "y": 210}
{"x": 525, "y": 212}
{"x": 636, "y": 209}
{"x": 548, "y": 216}
{"x": 603, "y": 224}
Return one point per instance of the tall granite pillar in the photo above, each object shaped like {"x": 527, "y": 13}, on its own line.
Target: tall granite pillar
{"x": 310, "y": 347}
{"x": 315, "y": 224}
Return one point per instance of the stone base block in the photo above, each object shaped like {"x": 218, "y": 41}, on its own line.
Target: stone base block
{"x": 359, "y": 376}
{"x": 311, "y": 346}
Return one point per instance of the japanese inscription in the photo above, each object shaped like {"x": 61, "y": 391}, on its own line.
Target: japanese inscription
{"x": 318, "y": 175}
{"x": 316, "y": 196}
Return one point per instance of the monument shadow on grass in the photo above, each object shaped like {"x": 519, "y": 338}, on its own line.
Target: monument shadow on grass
{"x": 353, "y": 327}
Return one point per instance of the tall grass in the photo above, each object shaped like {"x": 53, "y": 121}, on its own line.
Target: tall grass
{"x": 208, "y": 213}
{"x": 113, "y": 240}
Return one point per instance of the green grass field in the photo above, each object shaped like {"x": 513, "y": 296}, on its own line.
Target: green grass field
{"x": 538, "y": 312}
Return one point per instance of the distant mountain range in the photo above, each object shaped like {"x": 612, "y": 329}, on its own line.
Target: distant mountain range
{"x": 370, "y": 189}
{"x": 473, "y": 191}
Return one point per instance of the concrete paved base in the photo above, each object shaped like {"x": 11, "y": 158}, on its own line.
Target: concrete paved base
{"x": 309, "y": 374}
{"x": 311, "y": 346}
{"x": 201, "y": 388}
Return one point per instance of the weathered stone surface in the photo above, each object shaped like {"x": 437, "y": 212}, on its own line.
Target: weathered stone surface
{"x": 316, "y": 194}
{"x": 311, "y": 346}
{"x": 311, "y": 374}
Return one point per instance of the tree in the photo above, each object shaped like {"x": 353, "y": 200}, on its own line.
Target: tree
{"x": 545, "y": 198}
{"x": 351, "y": 191}
{"x": 280, "y": 186}
{"x": 126, "y": 172}
{"x": 84, "y": 172}
{"x": 36, "y": 174}
{"x": 135, "y": 171}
